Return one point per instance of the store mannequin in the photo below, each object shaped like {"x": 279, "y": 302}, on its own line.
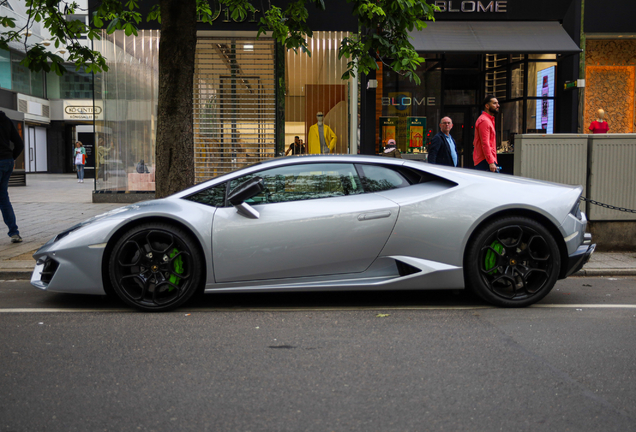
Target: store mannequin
{"x": 321, "y": 139}
{"x": 599, "y": 126}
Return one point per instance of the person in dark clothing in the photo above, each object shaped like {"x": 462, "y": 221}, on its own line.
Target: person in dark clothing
{"x": 443, "y": 150}
{"x": 8, "y": 155}
{"x": 391, "y": 150}
{"x": 297, "y": 147}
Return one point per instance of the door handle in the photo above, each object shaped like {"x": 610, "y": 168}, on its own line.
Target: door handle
{"x": 374, "y": 215}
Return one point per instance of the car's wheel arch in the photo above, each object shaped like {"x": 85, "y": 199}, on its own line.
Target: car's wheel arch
{"x": 530, "y": 214}
{"x": 141, "y": 221}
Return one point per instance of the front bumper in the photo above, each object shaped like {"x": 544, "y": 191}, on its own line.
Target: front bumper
{"x": 581, "y": 256}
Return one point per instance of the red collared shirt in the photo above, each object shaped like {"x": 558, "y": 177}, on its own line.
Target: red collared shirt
{"x": 485, "y": 143}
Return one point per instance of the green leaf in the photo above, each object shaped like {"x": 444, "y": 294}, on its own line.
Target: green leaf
{"x": 114, "y": 25}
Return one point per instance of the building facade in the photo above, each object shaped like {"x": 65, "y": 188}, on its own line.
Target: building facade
{"x": 520, "y": 51}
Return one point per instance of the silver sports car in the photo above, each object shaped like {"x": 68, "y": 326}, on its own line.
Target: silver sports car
{"x": 328, "y": 223}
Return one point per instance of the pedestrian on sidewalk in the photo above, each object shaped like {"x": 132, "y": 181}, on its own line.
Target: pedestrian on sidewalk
{"x": 485, "y": 143}
{"x": 80, "y": 160}
{"x": 11, "y": 145}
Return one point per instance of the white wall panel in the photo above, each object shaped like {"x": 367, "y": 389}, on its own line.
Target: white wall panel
{"x": 560, "y": 158}
{"x": 613, "y": 175}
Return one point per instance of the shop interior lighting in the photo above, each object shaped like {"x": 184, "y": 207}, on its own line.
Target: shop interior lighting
{"x": 248, "y": 47}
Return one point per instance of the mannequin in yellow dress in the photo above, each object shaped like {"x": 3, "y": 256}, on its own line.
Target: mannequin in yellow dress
{"x": 317, "y": 144}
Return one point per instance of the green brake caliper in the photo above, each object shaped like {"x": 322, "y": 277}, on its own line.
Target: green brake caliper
{"x": 177, "y": 265}
{"x": 491, "y": 258}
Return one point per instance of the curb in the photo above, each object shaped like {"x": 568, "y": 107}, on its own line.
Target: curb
{"x": 26, "y": 274}
{"x": 606, "y": 272}
{"x": 16, "y": 274}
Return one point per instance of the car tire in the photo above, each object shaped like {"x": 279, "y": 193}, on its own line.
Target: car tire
{"x": 512, "y": 262}
{"x": 155, "y": 267}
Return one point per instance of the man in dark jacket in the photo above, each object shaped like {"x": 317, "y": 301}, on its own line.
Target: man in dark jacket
{"x": 443, "y": 150}
{"x": 8, "y": 155}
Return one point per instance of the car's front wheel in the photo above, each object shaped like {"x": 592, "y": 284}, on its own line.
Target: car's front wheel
{"x": 155, "y": 267}
{"x": 512, "y": 262}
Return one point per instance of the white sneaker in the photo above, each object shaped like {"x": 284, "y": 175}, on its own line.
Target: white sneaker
{"x": 79, "y": 181}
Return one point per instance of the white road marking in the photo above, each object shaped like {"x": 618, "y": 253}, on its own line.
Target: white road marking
{"x": 327, "y": 309}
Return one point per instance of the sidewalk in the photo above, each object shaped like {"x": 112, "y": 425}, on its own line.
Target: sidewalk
{"x": 50, "y": 203}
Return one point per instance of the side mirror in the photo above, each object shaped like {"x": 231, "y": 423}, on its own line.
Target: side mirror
{"x": 245, "y": 191}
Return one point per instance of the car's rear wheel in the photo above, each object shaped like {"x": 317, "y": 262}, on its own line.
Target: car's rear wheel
{"x": 155, "y": 267}
{"x": 512, "y": 262}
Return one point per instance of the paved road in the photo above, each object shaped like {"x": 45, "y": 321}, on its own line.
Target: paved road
{"x": 321, "y": 362}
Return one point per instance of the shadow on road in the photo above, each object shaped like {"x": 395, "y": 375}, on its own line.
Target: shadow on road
{"x": 289, "y": 300}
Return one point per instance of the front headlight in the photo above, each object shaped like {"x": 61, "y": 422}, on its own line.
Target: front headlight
{"x": 68, "y": 231}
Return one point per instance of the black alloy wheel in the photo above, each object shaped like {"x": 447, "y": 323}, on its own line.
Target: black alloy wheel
{"x": 155, "y": 267}
{"x": 512, "y": 262}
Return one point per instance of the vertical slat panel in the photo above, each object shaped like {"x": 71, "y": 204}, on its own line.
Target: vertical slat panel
{"x": 555, "y": 158}
{"x": 234, "y": 104}
{"x": 613, "y": 176}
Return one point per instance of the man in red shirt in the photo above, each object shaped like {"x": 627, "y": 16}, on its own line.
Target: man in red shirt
{"x": 485, "y": 143}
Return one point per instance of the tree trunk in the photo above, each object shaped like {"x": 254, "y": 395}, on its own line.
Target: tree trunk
{"x": 175, "y": 140}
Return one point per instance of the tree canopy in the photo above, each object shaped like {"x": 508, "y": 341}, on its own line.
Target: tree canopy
{"x": 383, "y": 35}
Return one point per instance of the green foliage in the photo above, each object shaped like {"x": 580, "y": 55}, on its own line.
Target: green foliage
{"x": 66, "y": 34}
{"x": 383, "y": 34}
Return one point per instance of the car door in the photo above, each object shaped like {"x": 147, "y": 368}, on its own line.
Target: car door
{"x": 314, "y": 220}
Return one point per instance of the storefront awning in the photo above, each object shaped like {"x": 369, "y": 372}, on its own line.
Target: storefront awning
{"x": 488, "y": 37}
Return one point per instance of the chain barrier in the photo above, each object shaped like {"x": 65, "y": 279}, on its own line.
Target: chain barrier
{"x": 611, "y": 207}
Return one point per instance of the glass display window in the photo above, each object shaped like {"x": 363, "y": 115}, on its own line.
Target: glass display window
{"x": 404, "y": 99}
{"x": 316, "y": 97}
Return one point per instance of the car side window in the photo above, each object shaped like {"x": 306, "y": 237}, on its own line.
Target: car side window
{"x": 304, "y": 181}
{"x": 214, "y": 196}
{"x": 377, "y": 178}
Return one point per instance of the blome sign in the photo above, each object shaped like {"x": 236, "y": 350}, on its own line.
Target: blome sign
{"x": 82, "y": 110}
{"x": 469, "y": 6}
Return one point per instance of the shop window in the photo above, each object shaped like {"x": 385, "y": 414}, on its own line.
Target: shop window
{"x": 5, "y": 69}
{"x": 517, "y": 74}
{"x": 508, "y": 124}
{"x": 234, "y": 104}
{"x": 71, "y": 85}
{"x": 20, "y": 75}
{"x": 405, "y": 104}
{"x": 542, "y": 57}
{"x": 37, "y": 84}
{"x": 313, "y": 84}
{"x": 496, "y": 75}
{"x": 125, "y": 130}
{"x": 500, "y": 68}
{"x": 541, "y": 101}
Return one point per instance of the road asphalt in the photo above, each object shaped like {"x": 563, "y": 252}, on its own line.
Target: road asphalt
{"x": 50, "y": 203}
